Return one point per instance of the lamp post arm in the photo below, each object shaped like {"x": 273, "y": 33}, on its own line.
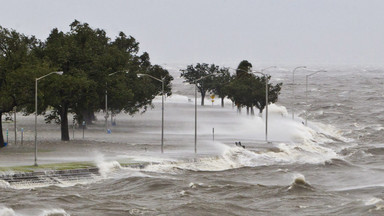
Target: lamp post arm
{"x": 293, "y": 88}
{"x": 262, "y": 70}
{"x": 203, "y": 77}
{"x": 118, "y": 72}
{"x": 306, "y": 92}
{"x": 55, "y": 72}
{"x": 160, "y": 80}
{"x": 37, "y": 79}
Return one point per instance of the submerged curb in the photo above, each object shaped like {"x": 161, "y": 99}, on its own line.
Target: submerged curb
{"x": 54, "y": 177}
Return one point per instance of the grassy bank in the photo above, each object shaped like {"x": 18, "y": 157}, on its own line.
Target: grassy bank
{"x": 55, "y": 166}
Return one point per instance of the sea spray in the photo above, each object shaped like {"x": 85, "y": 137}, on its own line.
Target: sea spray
{"x": 5, "y": 211}
{"x": 54, "y": 212}
{"x": 4, "y": 184}
{"x": 374, "y": 201}
{"x": 106, "y": 167}
{"x": 299, "y": 178}
{"x": 299, "y": 183}
{"x": 237, "y": 157}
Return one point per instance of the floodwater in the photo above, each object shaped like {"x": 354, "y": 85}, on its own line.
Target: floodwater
{"x": 333, "y": 166}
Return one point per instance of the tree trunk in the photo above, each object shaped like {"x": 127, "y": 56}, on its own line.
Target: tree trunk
{"x": 202, "y": 98}
{"x": 222, "y": 102}
{"x": 252, "y": 111}
{"x": 86, "y": 115}
{"x": 64, "y": 123}
{"x": 1, "y": 132}
{"x": 247, "y": 110}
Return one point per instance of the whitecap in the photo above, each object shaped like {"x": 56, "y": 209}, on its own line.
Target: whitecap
{"x": 4, "y": 184}
{"x": 54, "y": 212}
{"x": 5, "y": 211}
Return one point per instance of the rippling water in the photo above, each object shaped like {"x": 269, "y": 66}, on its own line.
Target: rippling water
{"x": 331, "y": 167}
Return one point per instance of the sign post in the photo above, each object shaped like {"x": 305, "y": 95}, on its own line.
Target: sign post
{"x": 83, "y": 128}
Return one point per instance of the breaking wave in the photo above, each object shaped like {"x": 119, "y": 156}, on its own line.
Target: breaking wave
{"x": 299, "y": 184}
{"x": 237, "y": 157}
{"x": 54, "y": 212}
{"x": 5, "y": 211}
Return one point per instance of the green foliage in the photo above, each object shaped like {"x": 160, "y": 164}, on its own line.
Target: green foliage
{"x": 221, "y": 84}
{"x": 201, "y": 75}
{"x": 87, "y": 57}
{"x": 248, "y": 90}
{"x": 19, "y": 66}
{"x": 94, "y": 66}
{"x": 243, "y": 68}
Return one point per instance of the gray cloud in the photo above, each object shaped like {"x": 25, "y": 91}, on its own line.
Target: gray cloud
{"x": 221, "y": 31}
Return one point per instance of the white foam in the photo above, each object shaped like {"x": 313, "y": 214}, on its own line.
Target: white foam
{"x": 298, "y": 176}
{"x": 194, "y": 185}
{"x": 4, "y": 184}
{"x": 5, "y": 211}
{"x": 374, "y": 201}
{"x": 302, "y": 153}
{"x": 54, "y": 212}
{"x": 105, "y": 167}
{"x": 174, "y": 98}
{"x": 236, "y": 157}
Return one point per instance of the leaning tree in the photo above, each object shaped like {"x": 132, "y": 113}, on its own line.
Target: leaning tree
{"x": 248, "y": 89}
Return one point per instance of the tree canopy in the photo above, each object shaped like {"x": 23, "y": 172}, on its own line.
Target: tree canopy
{"x": 248, "y": 89}
{"x": 244, "y": 88}
{"x": 19, "y": 64}
{"x": 92, "y": 65}
{"x": 206, "y": 78}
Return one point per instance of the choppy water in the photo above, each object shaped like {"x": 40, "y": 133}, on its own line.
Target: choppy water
{"x": 332, "y": 167}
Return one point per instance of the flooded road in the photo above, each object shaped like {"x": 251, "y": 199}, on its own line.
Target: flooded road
{"x": 333, "y": 166}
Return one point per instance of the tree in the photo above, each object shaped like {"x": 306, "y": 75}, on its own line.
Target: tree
{"x": 198, "y": 72}
{"x": 243, "y": 68}
{"x": 221, "y": 83}
{"x": 88, "y": 58}
{"x": 248, "y": 90}
{"x": 19, "y": 67}
{"x": 74, "y": 54}
{"x": 273, "y": 93}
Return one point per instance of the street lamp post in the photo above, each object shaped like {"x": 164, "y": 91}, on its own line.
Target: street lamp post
{"x": 266, "y": 99}
{"x": 106, "y": 105}
{"x": 37, "y": 79}
{"x": 106, "y": 99}
{"x": 293, "y": 89}
{"x": 306, "y": 92}
{"x": 266, "y": 96}
{"x": 214, "y": 74}
{"x": 162, "y": 106}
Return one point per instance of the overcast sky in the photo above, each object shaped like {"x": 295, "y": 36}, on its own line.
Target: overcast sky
{"x": 221, "y": 31}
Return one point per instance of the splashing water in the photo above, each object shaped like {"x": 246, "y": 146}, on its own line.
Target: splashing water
{"x": 5, "y": 211}
{"x": 54, "y": 212}
{"x": 236, "y": 157}
{"x": 106, "y": 167}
